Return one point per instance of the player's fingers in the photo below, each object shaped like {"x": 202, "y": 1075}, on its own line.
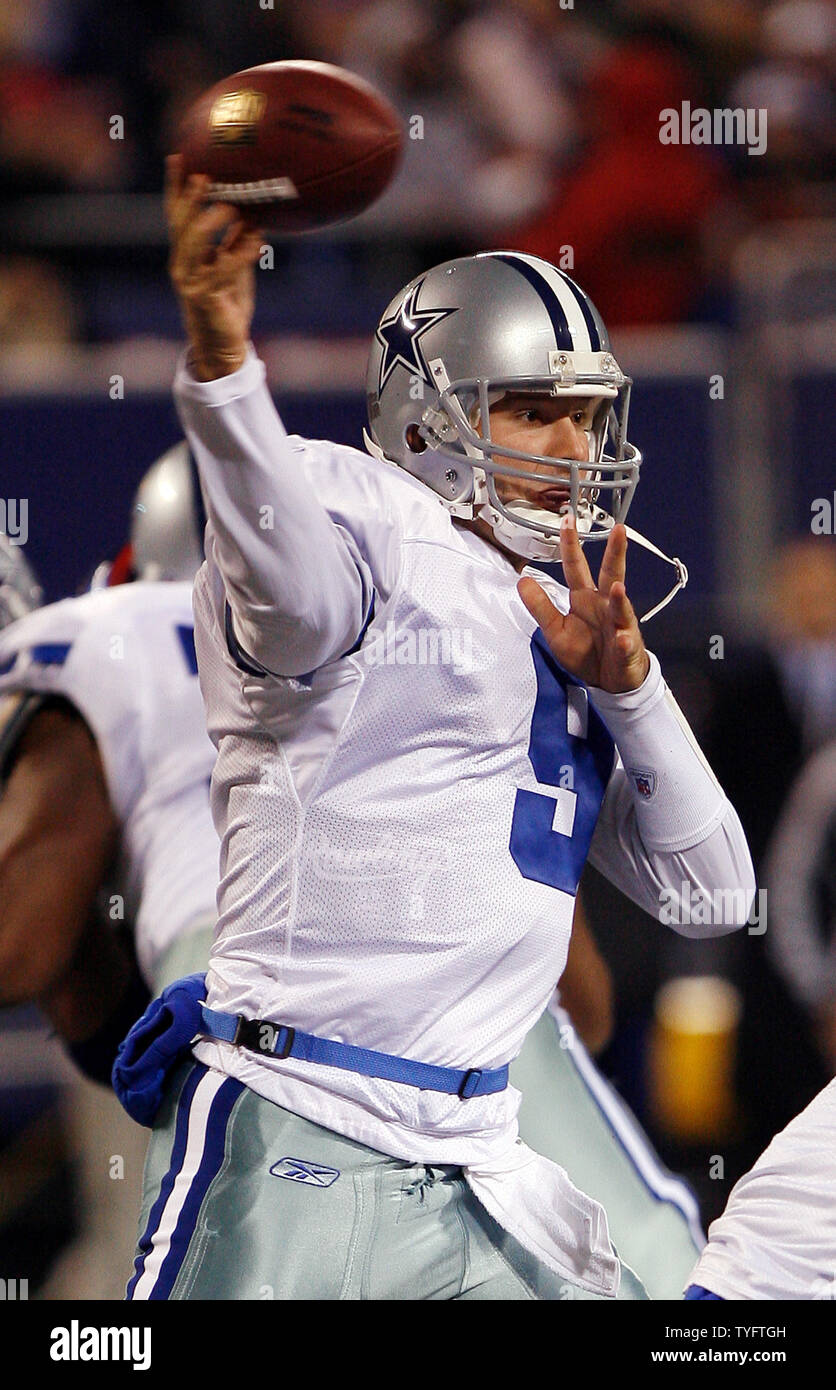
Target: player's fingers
{"x": 200, "y": 237}
{"x": 186, "y": 204}
{"x": 621, "y": 612}
{"x": 179, "y": 195}
{"x": 624, "y": 628}
{"x": 236, "y": 258}
{"x": 614, "y": 564}
{"x": 575, "y": 568}
{"x": 625, "y": 640}
{"x": 252, "y": 244}
{"x": 241, "y": 237}
{"x": 540, "y": 605}
{"x": 232, "y": 234}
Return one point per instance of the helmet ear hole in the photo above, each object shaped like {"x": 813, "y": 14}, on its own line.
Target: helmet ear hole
{"x": 414, "y": 441}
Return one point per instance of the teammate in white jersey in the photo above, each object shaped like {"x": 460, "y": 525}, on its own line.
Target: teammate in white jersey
{"x": 112, "y": 674}
{"x": 104, "y": 820}
{"x": 123, "y": 660}
{"x": 776, "y": 1238}
{"x": 402, "y": 834}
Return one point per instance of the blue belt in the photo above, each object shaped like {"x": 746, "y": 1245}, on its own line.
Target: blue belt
{"x": 279, "y": 1040}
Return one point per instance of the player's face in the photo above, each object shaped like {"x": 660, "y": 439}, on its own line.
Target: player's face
{"x": 538, "y": 424}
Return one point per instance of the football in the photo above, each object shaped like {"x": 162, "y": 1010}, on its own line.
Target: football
{"x": 295, "y": 145}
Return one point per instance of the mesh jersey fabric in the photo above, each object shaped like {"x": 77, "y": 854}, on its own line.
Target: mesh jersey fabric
{"x": 124, "y": 658}
{"x": 368, "y": 892}
{"x": 477, "y": 757}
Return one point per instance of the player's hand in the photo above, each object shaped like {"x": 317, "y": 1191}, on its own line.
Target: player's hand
{"x": 599, "y": 639}
{"x": 213, "y": 252}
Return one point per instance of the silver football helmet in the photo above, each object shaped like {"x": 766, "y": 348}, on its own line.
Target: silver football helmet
{"x": 167, "y": 519}
{"x": 460, "y": 337}
{"x": 20, "y": 592}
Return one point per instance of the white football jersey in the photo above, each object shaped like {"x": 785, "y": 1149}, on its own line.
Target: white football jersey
{"x": 125, "y": 658}
{"x": 402, "y": 829}
{"x": 391, "y": 875}
{"x": 776, "y": 1238}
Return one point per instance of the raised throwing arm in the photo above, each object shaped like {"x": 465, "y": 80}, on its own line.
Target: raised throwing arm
{"x": 297, "y": 586}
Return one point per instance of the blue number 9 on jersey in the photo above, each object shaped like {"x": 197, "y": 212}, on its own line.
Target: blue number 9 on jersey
{"x": 571, "y": 751}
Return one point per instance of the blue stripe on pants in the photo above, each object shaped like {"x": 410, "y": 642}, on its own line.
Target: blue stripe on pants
{"x": 210, "y": 1163}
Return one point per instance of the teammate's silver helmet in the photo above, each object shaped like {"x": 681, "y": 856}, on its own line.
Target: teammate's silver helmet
{"x": 20, "y": 591}
{"x": 167, "y": 519}
{"x": 457, "y": 339}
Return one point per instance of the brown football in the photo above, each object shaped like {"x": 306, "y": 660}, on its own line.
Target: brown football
{"x": 297, "y": 145}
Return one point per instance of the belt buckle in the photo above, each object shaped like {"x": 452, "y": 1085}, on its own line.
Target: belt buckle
{"x": 259, "y": 1035}
{"x": 470, "y": 1081}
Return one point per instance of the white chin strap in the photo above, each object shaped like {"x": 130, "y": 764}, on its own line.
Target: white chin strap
{"x": 532, "y": 546}
{"x": 681, "y": 570}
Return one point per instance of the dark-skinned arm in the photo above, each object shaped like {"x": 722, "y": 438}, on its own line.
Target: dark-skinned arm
{"x": 586, "y": 986}
{"x": 58, "y": 835}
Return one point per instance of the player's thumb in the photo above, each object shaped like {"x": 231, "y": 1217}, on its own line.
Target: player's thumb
{"x": 536, "y": 600}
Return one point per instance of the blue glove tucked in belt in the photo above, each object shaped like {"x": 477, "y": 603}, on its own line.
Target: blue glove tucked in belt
{"x": 155, "y": 1044}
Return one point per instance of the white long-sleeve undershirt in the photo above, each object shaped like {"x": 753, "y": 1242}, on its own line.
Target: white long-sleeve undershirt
{"x": 296, "y": 583}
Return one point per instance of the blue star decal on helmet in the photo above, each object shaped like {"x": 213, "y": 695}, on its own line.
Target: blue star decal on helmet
{"x": 400, "y": 338}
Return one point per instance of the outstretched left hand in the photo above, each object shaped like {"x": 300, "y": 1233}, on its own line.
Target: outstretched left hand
{"x": 599, "y": 640}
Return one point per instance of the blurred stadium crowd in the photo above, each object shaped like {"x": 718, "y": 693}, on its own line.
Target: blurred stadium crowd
{"x": 540, "y": 131}
{"x": 653, "y": 228}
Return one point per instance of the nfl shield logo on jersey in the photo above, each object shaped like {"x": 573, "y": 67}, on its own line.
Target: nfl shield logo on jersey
{"x": 645, "y": 782}
{"x": 301, "y": 1170}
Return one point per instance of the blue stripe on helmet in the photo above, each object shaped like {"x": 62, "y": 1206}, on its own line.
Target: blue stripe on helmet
{"x": 583, "y": 305}
{"x": 555, "y": 309}
{"x": 551, "y": 303}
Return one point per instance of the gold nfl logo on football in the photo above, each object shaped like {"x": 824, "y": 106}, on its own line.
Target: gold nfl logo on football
{"x": 234, "y": 117}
